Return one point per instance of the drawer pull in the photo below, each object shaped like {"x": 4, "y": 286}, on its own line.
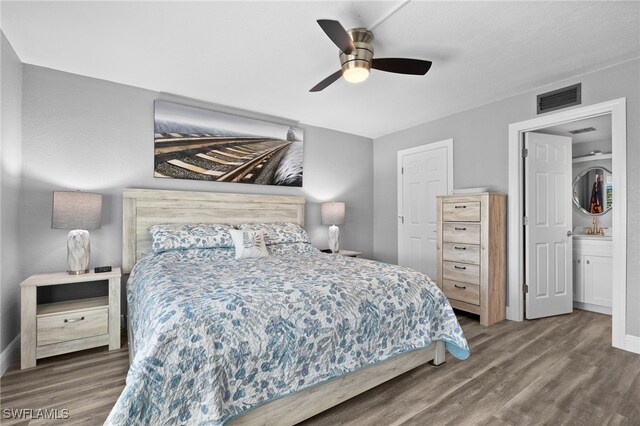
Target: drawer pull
{"x": 460, "y": 286}
{"x": 460, "y": 229}
{"x": 459, "y": 267}
{"x": 459, "y": 248}
{"x": 73, "y": 320}
{"x": 460, "y": 207}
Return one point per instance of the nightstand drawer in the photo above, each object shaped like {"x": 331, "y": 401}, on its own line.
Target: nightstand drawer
{"x": 458, "y": 252}
{"x": 461, "y": 272}
{"x": 461, "y": 212}
{"x": 466, "y": 233}
{"x": 464, "y": 292}
{"x": 65, "y": 326}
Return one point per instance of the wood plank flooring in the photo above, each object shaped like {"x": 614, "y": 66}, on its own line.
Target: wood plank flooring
{"x": 559, "y": 370}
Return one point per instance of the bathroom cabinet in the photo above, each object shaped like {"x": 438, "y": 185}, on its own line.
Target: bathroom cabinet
{"x": 592, "y": 273}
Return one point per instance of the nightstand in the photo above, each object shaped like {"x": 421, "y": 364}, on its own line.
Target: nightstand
{"x": 56, "y": 328}
{"x": 347, "y": 253}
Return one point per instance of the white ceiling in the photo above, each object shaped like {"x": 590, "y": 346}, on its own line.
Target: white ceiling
{"x": 265, "y": 56}
{"x": 602, "y": 124}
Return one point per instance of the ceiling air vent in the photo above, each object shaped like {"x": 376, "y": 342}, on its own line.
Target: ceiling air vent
{"x": 561, "y": 98}
{"x": 585, "y": 130}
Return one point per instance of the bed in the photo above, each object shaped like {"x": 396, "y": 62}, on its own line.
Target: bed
{"x": 274, "y": 340}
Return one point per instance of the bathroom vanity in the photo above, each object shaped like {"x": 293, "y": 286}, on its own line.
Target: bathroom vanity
{"x": 592, "y": 273}
{"x": 592, "y": 245}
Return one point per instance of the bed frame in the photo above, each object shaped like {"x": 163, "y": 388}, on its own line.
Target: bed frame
{"x": 145, "y": 207}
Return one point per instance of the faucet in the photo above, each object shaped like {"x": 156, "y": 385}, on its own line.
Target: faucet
{"x": 594, "y": 230}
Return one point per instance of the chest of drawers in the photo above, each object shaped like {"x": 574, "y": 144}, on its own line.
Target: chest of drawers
{"x": 472, "y": 253}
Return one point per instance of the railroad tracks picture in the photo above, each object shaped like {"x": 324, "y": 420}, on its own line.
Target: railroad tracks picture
{"x": 194, "y": 143}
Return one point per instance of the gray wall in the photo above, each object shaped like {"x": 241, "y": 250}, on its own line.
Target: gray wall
{"x": 480, "y": 150}
{"x": 93, "y": 135}
{"x": 10, "y": 185}
{"x": 585, "y": 148}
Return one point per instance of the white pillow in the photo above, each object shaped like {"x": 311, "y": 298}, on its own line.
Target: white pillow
{"x": 249, "y": 244}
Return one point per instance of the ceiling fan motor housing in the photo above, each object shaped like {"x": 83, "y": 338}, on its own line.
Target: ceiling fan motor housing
{"x": 362, "y": 56}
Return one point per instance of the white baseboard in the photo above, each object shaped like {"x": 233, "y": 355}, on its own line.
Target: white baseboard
{"x": 593, "y": 308}
{"x": 633, "y": 344}
{"x": 9, "y": 354}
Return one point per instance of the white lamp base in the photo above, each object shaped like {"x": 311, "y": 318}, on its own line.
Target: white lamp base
{"x": 334, "y": 235}
{"x": 78, "y": 252}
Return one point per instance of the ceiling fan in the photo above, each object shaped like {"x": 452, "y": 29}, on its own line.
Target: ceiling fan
{"x": 356, "y": 56}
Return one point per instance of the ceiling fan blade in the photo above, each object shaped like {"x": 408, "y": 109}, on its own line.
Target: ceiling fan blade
{"x": 327, "y": 81}
{"x": 402, "y": 65}
{"x": 337, "y": 34}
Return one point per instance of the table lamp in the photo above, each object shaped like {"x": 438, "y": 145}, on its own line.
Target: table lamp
{"x": 78, "y": 212}
{"x": 333, "y": 214}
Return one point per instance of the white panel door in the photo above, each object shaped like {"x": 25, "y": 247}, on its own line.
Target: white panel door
{"x": 424, "y": 174}
{"x": 548, "y": 243}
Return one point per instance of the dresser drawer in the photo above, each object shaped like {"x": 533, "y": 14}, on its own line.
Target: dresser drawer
{"x": 465, "y": 292}
{"x": 466, "y": 233}
{"x": 465, "y": 253}
{"x": 462, "y": 272}
{"x": 461, "y": 212}
{"x": 65, "y": 326}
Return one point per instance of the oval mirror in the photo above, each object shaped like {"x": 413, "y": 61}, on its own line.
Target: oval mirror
{"x": 592, "y": 191}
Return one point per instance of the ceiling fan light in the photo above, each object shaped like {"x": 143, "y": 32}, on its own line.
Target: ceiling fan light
{"x": 356, "y": 74}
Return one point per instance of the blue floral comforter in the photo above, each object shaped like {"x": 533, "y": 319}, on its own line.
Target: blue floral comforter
{"x": 216, "y": 336}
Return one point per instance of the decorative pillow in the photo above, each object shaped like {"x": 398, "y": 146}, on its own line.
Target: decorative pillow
{"x": 249, "y": 244}
{"x": 278, "y": 233}
{"x": 292, "y": 249}
{"x": 215, "y": 255}
{"x": 181, "y": 237}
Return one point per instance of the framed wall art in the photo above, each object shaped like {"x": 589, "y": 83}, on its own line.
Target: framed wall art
{"x": 199, "y": 144}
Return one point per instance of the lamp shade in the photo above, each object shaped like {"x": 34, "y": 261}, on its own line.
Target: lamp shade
{"x": 76, "y": 210}
{"x": 333, "y": 213}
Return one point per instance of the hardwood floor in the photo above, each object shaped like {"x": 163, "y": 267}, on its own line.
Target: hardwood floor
{"x": 86, "y": 383}
{"x": 559, "y": 370}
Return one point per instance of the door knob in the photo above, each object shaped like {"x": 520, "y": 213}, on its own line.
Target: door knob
{"x": 569, "y": 233}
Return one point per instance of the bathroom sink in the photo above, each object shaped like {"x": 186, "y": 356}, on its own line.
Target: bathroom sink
{"x": 581, "y": 232}
{"x": 592, "y": 237}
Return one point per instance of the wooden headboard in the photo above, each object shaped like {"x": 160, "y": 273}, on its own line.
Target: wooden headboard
{"x": 145, "y": 207}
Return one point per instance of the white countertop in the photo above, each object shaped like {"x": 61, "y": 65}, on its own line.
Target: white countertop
{"x": 592, "y": 237}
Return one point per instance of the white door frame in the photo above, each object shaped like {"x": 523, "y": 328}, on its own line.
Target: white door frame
{"x": 448, "y": 144}
{"x": 617, "y": 109}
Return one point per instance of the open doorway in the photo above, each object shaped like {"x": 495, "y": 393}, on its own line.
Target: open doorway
{"x": 569, "y": 204}
{"x": 516, "y": 234}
